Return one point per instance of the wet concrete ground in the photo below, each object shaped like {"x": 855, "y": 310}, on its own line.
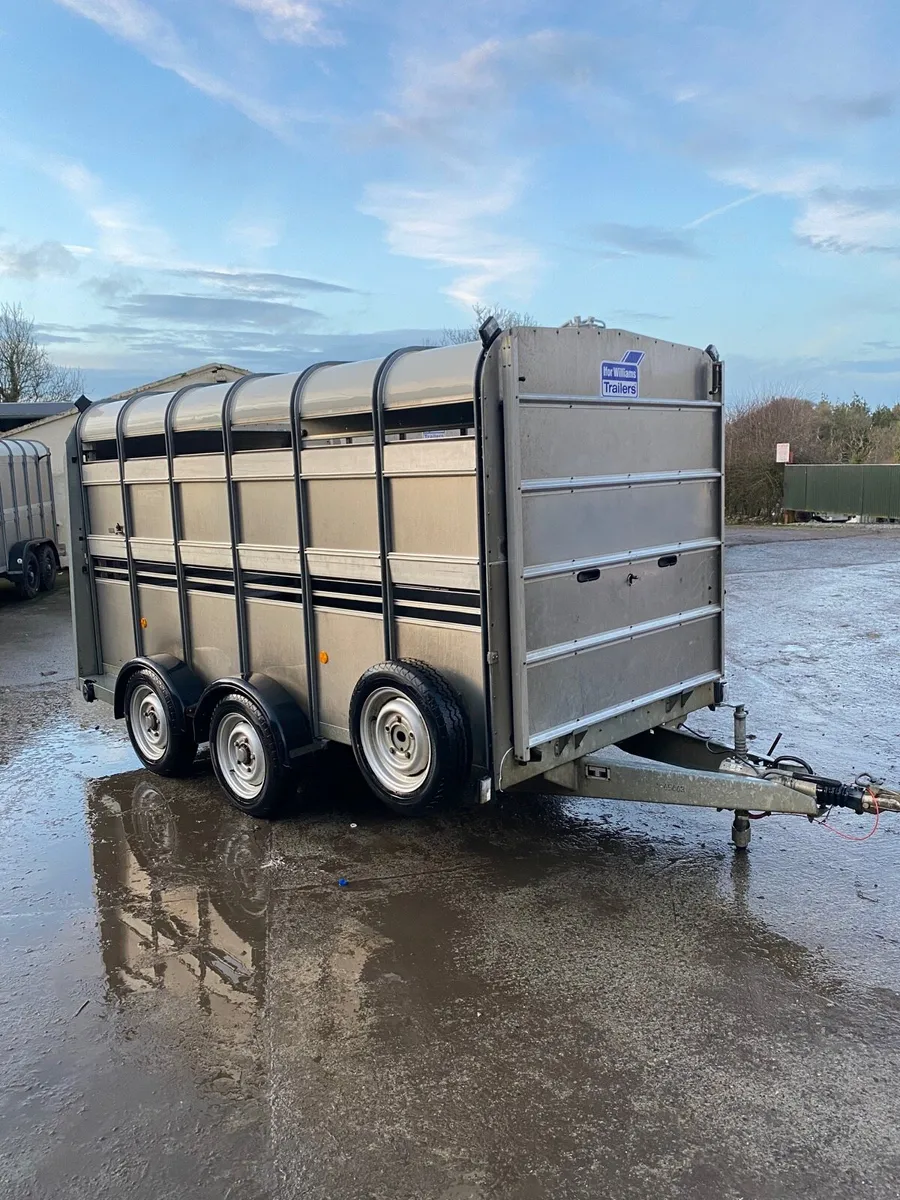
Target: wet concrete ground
{"x": 551, "y": 999}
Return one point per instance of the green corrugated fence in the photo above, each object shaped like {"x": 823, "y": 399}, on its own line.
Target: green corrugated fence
{"x": 865, "y": 491}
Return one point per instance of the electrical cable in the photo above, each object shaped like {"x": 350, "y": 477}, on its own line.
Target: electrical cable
{"x": 848, "y": 837}
{"x": 793, "y": 760}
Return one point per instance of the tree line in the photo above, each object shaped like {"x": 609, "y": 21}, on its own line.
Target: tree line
{"x": 818, "y": 432}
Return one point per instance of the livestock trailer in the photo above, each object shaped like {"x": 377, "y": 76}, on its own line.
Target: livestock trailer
{"x": 478, "y": 565}
{"x": 29, "y": 554}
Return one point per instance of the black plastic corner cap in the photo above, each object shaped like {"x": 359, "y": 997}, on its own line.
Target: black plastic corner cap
{"x": 712, "y": 352}
{"x": 488, "y": 331}
{"x": 82, "y": 403}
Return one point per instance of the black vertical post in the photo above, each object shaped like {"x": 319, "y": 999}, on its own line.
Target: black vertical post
{"x": 384, "y": 507}
{"x": 16, "y": 442}
{"x": 234, "y": 524}
{"x": 177, "y": 524}
{"x": 306, "y": 596}
{"x": 488, "y": 336}
{"x": 12, "y": 484}
{"x": 128, "y": 524}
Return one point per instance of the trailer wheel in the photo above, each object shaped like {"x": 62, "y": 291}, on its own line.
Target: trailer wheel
{"x": 411, "y": 737}
{"x": 48, "y": 568}
{"x": 246, "y": 759}
{"x": 29, "y": 584}
{"x": 153, "y": 720}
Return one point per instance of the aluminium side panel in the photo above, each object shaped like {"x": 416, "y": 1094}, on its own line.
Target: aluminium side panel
{"x": 613, "y": 460}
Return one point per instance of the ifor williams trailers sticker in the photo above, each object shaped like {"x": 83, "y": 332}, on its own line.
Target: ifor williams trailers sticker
{"x": 622, "y": 380}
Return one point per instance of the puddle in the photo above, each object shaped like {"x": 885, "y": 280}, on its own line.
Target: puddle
{"x": 552, "y": 997}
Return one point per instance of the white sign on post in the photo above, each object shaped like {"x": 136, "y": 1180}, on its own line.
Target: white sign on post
{"x": 783, "y": 453}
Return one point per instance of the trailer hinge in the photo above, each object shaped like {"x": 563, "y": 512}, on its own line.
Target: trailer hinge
{"x": 716, "y": 388}
{"x": 493, "y": 657}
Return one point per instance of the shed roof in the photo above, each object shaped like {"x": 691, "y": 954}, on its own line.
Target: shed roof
{"x": 172, "y": 382}
{"x": 14, "y": 416}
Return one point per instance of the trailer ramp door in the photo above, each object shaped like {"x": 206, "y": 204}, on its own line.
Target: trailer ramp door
{"x": 615, "y": 523}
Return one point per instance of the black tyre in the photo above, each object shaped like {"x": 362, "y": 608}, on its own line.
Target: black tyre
{"x": 30, "y": 583}
{"x": 246, "y": 758}
{"x": 411, "y": 737}
{"x": 153, "y": 717}
{"x": 48, "y": 568}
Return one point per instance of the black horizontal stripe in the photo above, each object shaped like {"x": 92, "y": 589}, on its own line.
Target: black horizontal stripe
{"x": 351, "y": 603}
{"x": 221, "y": 589}
{"x": 161, "y": 568}
{"x": 209, "y": 572}
{"x": 268, "y": 594}
{"x": 274, "y": 579}
{"x": 445, "y": 606}
{"x": 349, "y": 587}
{"x": 423, "y": 594}
{"x": 442, "y": 616}
{"x": 156, "y": 580}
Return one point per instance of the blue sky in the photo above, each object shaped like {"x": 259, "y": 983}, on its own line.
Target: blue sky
{"x": 267, "y": 182}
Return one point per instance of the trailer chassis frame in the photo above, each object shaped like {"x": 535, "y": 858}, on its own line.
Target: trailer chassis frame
{"x": 695, "y": 772}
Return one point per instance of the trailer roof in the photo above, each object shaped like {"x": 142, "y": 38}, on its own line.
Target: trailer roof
{"x": 26, "y": 447}
{"x": 417, "y": 378}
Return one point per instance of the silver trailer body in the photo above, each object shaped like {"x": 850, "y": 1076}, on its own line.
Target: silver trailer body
{"x": 28, "y": 528}
{"x": 539, "y": 519}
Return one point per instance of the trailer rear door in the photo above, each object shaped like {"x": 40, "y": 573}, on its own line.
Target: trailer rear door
{"x": 613, "y": 448}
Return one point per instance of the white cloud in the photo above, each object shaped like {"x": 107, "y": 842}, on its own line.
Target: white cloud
{"x": 851, "y": 220}
{"x": 455, "y": 119}
{"x": 252, "y": 234}
{"x": 156, "y": 38}
{"x": 124, "y": 236}
{"x": 455, "y": 226}
{"x": 289, "y": 21}
{"x": 34, "y": 262}
{"x": 834, "y": 216}
{"x": 457, "y": 110}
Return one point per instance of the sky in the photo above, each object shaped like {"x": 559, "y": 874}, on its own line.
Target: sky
{"x": 271, "y": 182}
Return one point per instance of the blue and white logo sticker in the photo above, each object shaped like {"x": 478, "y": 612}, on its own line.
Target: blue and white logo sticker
{"x": 622, "y": 380}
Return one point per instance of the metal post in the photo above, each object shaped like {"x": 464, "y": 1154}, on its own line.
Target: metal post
{"x": 489, "y": 336}
{"x": 177, "y": 526}
{"x": 16, "y": 442}
{"x": 12, "y": 484}
{"x": 40, "y": 490}
{"x": 88, "y": 647}
{"x": 740, "y": 829}
{"x": 127, "y": 524}
{"x": 306, "y": 596}
{"x": 384, "y": 508}
{"x": 740, "y": 730}
{"x": 234, "y": 524}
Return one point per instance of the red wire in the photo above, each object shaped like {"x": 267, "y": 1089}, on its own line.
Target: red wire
{"x": 848, "y": 837}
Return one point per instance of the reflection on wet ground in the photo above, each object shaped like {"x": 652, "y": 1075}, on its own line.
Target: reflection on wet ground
{"x": 181, "y": 898}
{"x": 544, "y": 999}
{"x": 538, "y": 1000}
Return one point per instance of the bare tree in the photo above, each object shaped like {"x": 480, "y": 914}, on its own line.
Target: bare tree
{"x": 505, "y": 318}
{"x": 26, "y": 372}
{"x": 753, "y": 480}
